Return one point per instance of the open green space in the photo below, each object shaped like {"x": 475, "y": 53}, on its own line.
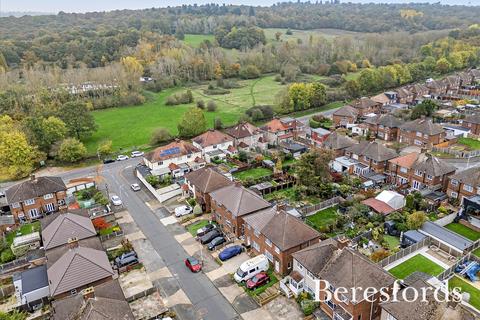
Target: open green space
{"x": 463, "y": 231}
{"x": 195, "y": 40}
{"x": 416, "y": 263}
{"x": 472, "y": 144}
{"x": 393, "y": 242}
{"x": 197, "y": 225}
{"x": 304, "y": 35}
{"x": 457, "y": 282}
{"x": 22, "y": 231}
{"x": 323, "y": 218}
{"x": 254, "y": 173}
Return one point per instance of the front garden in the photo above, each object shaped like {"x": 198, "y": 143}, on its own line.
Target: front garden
{"x": 416, "y": 263}
{"x": 86, "y": 198}
{"x": 105, "y": 228}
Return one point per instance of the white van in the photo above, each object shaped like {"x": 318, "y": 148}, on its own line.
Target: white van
{"x": 251, "y": 267}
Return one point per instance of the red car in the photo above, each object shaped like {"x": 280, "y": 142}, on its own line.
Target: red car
{"x": 258, "y": 280}
{"x": 193, "y": 264}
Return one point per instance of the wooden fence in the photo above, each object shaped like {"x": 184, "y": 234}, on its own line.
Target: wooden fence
{"x": 310, "y": 210}
{"x": 403, "y": 253}
{"x": 458, "y": 153}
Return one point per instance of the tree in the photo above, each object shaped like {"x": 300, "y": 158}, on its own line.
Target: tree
{"x": 249, "y": 72}
{"x": 416, "y": 220}
{"x": 193, "y": 123}
{"x": 443, "y": 65}
{"x": 318, "y": 94}
{"x": 300, "y": 95}
{"x": 379, "y": 255}
{"x": 211, "y": 106}
{"x": 218, "y": 125}
{"x": 71, "y": 150}
{"x": 44, "y": 132}
{"x": 78, "y": 119}
{"x": 159, "y": 136}
{"x": 13, "y": 315}
{"x": 426, "y": 108}
{"x": 278, "y": 35}
{"x": 312, "y": 170}
{"x": 105, "y": 148}
{"x": 17, "y": 156}
{"x": 353, "y": 88}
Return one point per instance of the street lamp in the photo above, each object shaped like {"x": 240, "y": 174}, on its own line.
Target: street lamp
{"x": 106, "y": 188}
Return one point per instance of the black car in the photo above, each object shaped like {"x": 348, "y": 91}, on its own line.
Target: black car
{"x": 216, "y": 242}
{"x": 106, "y": 161}
{"x": 205, "y": 229}
{"x": 210, "y": 236}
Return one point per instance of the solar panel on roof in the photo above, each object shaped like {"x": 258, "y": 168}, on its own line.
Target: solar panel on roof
{"x": 170, "y": 151}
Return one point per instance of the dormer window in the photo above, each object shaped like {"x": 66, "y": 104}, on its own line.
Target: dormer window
{"x": 29, "y": 202}
{"x": 48, "y": 196}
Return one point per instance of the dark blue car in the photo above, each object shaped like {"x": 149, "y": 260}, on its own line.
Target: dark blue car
{"x": 230, "y": 252}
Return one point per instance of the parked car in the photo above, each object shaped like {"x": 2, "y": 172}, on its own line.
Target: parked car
{"x": 182, "y": 211}
{"x": 135, "y": 186}
{"x": 128, "y": 261}
{"x": 205, "y": 229}
{"x": 251, "y": 267}
{"x": 125, "y": 255}
{"x": 207, "y": 238}
{"x": 216, "y": 242}
{"x": 258, "y": 280}
{"x": 116, "y": 200}
{"x": 122, "y": 157}
{"x": 193, "y": 264}
{"x": 230, "y": 252}
{"x": 136, "y": 154}
{"x": 108, "y": 160}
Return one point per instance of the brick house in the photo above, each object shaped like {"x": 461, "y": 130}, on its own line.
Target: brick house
{"x": 204, "y": 181}
{"x": 383, "y": 99}
{"x": 404, "y": 95}
{"x": 421, "y": 132}
{"x": 178, "y": 152}
{"x": 418, "y": 90}
{"x": 344, "y": 116}
{"x": 473, "y": 123}
{"x": 331, "y": 262}
{"x": 36, "y": 197}
{"x": 213, "y": 143}
{"x": 464, "y": 184}
{"x": 370, "y": 157}
{"x": 317, "y": 136}
{"x": 420, "y": 171}
{"x": 231, "y": 204}
{"x": 384, "y": 127}
{"x": 278, "y": 235}
{"x": 278, "y": 130}
{"x": 338, "y": 143}
{"x": 366, "y": 105}
{"x": 245, "y": 132}
{"x": 436, "y": 88}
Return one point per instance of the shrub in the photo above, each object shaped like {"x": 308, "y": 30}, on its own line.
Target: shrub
{"x": 100, "y": 224}
{"x": 160, "y": 135}
{"x": 249, "y": 72}
{"x": 379, "y": 255}
{"x": 201, "y": 104}
{"x": 153, "y": 180}
{"x": 218, "y": 124}
{"x": 7, "y": 255}
{"x": 211, "y": 106}
{"x": 180, "y": 98}
{"x": 308, "y": 306}
{"x": 71, "y": 150}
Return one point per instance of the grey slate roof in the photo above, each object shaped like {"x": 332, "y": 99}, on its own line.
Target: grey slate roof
{"x": 346, "y": 111}
{"x": 315, "y": 256}
{"x": 76, "y": 268}
{"x": 373, "y": 150}
{"x": 108, "y": 304}
{"x": 432, "y": 165}
{"x": 238, "y": 200}
{"x": 67, "y": 226}
{"x": 242, "y": 130}
{"x": 207, "y": 179}
{"x": 469, "y": 176}
{"x": 336, "y": 141}
{"x": 425, "y": 126}
{"x": 386, "y": 120}
{"x": 474, "y": 118}
{"x": 33, "y": 279}
{"x": 451, "y": 238}
{"x": 34, "y": 188}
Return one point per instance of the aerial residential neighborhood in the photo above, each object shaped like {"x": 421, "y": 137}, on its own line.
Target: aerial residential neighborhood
{"x": 240, "y": 162}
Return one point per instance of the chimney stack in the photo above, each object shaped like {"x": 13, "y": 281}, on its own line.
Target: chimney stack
{"x": 72, "y": 243}
{"x": 342, "y": 242}
{"x": 32, "y": 177}
{"x": 88, "y": 293}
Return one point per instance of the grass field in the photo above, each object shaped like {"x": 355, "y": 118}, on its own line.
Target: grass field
{"x": 254, "y": 173}
{"x": 416, "y": 263}
{"x": 304, "y": 35}
{"x": 195, "y": 40}
{"x": 457, "y": 282}
{"x": 323, "y": 218}
{"x": 463, "y": 231}
{"x": 472, "y": 144}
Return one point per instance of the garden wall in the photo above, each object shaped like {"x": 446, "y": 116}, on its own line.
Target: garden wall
{"x": 161, "y": 194}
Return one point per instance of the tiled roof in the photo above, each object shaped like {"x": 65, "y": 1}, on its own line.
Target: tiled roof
{"x": 475, "y": 118}
{"x": 66, "y": 226}
{"x": 378, "y": 206}
{"x": 274, "y": 126}
{"x": 381, "y": 98}
{"x": 346, "y": 111}
{"x": 238, "y": 200}
{"x": 432, "y": 166}
{"x": 242, "y": 130}
{"x": 33, "y": 188}
{"x": 403, "y": 92}
{"x": 174, "y": 149}
{"x": 373, "y": 150}
{"x": 387, "y": 120}
{"x": 207, "y": 179}
{"x": 336, "y": 141}
{"x": 425, "y": 126}
{"x": 469, "y": 176}
{"x": 405, "y": 161}
{"x": 364, "y": 103}
{"x": 260, "y": 219}
{"x": 76, "y": 268}
{"x": 211, "y": 137}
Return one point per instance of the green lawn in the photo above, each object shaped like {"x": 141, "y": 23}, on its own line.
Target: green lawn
{"x": 197, "y": 225}
{"x": 304, "y": 35}
{"x": 472, "y": 144}
{"x": 195, "y": 40}
{"x": 255, "y": 173}
{"x": 463, "y": 231}
{"x": 416, "y": 263}
{"x": 457, "y": 282}
{"x": 477, "y": 252}
{"x": 23, "y": 230}
{"x": 323, "y": 218}
{"x": 393, "y": 242}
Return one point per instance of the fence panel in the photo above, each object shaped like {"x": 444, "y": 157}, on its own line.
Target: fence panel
{"x": 306, "y": 211}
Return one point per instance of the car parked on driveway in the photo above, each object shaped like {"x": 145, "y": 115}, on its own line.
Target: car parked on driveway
{"x": 216, "y": 242}
{"x": 182, "y": 211}
{"x": 258, "y": 280}
{"x": 122, "y": 157}
{"x": 230, "y": 252}
{"x": 193, "y": 264}
{"x": 136, "y": 154}
{"x": 116, "y": 200}
{"x": 128, "y": 261}
{"x": 207, "y": 238}
{"x": 125, "y": 255}
{"x": 135, "y": 187}
{"x": 108, "y": 160}
{"x": 206, "y": 229}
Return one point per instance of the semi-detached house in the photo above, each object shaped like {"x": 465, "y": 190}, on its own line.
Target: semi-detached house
{"x": 213, "y": 144}
{"x": 464, "y": 184}
{"x": 245, "y": 133}
{"x": 421, "y": 132}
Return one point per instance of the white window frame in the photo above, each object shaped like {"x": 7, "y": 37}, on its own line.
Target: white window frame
{"x": 403, "y": 170}
{"x": 454, "y": 182}
{"x": 268, "y": 242}
{"x": 16, "y": 205}
{"x": 467, "y": 188}
{"x": 48, "y": 196}
{"x": 429, "y": 177}
{"x": 29, "y": 202}
{"x": 454, "y": 194}
{"x": 277, "y": 250}
{"x": 34, "y": 213}
{"x": 49, "y": 207}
